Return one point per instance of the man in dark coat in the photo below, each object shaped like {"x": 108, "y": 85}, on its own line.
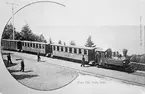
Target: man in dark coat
{"x": 22, "y": 65}
{"x": 83, "y": 61}
{"x": 9, "y": 59}
{"x": 38, "y": 57}
{"x": 96, "y": 58}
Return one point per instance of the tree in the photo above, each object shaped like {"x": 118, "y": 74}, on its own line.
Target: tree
{"x": 27, "y": 33}
{"x": 72, "y": 43}
{"x": 42, "y": 39}
{"x": 8, "y": 32}
{"x": 34, "y": 37}
{"x": 125, "y": 52}
{"x": 89, "y": 42}
{"x": 18, "y": 36}
{"x": 50, "y": 40}
{"x": 133, "y": 58}
{"x": 59, "y": 42}
{"x": 142, "y": 59}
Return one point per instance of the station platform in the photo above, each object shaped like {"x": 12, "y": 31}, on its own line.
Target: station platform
{"x": 136, "y": 78}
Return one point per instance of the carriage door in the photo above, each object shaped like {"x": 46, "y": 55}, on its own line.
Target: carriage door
{"x": 19, "y": 45}
{"x": 48, "y": 48}
{"x": 91, "y": 55}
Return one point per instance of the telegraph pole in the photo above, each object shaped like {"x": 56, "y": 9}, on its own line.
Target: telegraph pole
{"x": 144, "y": 38}
{"x": 12, "y": 18}
{"x": 142, "y": 30}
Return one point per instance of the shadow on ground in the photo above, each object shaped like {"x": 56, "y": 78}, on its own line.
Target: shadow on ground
{"x": 23, "y": 76}
{"x": 28, "y": 71}
{"x": 42, "y": 61}
{"x": 12, "y": 71}
{"x": 9, "y": 65}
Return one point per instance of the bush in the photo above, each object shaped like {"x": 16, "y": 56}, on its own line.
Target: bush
{"x": 138, "y": 58}
{"x": 142, "y": 59}
{"x": 133, "y": 58}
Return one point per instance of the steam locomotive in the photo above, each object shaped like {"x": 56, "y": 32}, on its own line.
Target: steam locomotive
{"x": 67, "y": 52}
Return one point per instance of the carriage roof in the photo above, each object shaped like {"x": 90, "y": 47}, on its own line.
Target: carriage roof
{"x": 35, "y": 42}
{"x": 10, "y": 40}
{"x": 99, "y": 49}
{"x": 25, "y": 41}
{"x": 80, "y": 47}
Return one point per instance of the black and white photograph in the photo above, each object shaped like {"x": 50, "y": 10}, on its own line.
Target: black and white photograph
{"x": 72, "y": 47}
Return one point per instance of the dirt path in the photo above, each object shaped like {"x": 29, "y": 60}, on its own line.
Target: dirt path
{"x": 41, "y": 76}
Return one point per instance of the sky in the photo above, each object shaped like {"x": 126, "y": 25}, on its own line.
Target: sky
{"x": 111, "y": 23}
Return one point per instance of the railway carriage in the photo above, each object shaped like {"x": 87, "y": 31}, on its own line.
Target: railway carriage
{"x": 73, "y": 52}
{"x": 11, "y": 44}
{"x": 36, "y": 47}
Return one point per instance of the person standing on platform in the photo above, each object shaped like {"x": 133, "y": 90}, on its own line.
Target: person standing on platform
{"x": 83, "y": 61}
{"x": 38, "y": 57}
{"x": 96, "y": 58}
{"x": 9, "y": 59}
{"x": 22, "y": 66}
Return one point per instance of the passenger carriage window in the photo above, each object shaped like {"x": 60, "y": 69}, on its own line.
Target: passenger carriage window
{"x": 75, "y": 50}
{"x": 57, "y": 48}
{"x": 80, "y": 51}
{"x": 85, "y": 51}
{"x": 62, "y": 49}
{"x": 40, "y": 46}
{"x": 30, "y": 44}
{"x": 25, "y": 44}
{"x": 53, "y": 47}
{"x": 70, "y": 50}
{"x": 33, "y": 45}
{"x": 36, "y": 45}
{"x": 65, "y": 49}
